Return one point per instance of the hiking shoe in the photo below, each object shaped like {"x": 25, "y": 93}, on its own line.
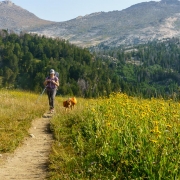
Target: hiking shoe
{"x": 52, "y": 110}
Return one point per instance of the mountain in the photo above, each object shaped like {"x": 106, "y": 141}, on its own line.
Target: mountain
{"x": 15, "y": 18}
{"x": 139, "y": 23}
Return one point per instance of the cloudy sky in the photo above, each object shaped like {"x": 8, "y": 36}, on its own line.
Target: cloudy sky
{"x": 63, "y": 10}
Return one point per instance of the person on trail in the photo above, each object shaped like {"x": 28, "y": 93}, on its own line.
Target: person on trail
{"x": 51, "y": 83}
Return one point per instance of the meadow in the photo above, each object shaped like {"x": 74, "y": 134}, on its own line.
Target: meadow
{"x": 119, "y": 137}
{"x": 17, "y": 110}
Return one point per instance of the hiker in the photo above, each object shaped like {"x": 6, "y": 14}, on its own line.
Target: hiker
{"x": 51, "y": 83}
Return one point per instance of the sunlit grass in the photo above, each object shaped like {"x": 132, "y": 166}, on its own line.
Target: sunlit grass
{"x": 119, "y": 137}
{"x": 17, "y": 110}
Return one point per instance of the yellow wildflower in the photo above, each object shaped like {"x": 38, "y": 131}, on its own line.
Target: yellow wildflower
{"x": 154, "y": 141}
{"x": 108, "y": 124}
{"x": 168, "y": 126}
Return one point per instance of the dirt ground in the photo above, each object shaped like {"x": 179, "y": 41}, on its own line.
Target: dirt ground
{"x": 30, "y": 160}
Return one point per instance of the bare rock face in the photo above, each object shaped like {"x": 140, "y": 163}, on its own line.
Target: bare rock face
{"x": 169, "y": 1}
{"x": 139, "y": 23}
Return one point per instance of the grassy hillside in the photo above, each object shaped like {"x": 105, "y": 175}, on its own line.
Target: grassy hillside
{"x": 117, "y": 138}
{"x": 17, "y": 110}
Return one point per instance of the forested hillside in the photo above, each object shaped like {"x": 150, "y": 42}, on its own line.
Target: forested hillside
{"x": 150, "y": 70}
{"x": 25, "y": 61}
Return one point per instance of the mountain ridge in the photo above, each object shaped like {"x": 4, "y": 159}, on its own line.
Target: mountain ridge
{"x": 136, "y": 24}
{"x": 139, "y": 23}
{"x": 15, "y": 18}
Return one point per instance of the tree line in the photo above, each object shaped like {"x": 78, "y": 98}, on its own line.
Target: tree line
{"x": 149, "y": 70}
{"x": 25, "y": 61}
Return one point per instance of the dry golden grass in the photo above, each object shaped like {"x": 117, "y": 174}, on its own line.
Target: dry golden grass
{"x": 17, "y": 110}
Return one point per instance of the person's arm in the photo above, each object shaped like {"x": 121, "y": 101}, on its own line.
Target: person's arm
{"x": 56, "y": 82}
{"x": 46, "y": 81}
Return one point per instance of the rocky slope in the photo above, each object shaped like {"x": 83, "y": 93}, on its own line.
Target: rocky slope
{"x": 139, "y": 23}
{"x": 15, "y": 18}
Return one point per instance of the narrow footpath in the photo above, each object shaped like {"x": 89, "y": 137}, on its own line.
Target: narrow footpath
{"x": 30, "y": 160}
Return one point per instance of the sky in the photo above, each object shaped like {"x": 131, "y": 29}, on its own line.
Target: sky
{"x": 64, "y": 10}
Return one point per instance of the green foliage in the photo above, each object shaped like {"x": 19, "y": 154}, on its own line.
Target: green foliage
{"x": 27, "y": 59}
{"x": 145, "y": 70}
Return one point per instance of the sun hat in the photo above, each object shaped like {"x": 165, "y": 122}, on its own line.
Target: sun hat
{"x": 52, "y": 71}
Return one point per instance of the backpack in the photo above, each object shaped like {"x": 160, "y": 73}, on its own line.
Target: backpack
{"x": 57, "y": 74}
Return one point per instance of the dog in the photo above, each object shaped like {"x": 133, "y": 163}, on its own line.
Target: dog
{"x": 70, "y": 103}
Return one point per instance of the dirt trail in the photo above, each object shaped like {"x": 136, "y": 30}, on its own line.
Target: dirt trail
{"x": 29, "y": 161}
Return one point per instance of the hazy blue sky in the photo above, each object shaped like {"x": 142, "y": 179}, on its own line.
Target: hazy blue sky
{"x": 63, "y": 10}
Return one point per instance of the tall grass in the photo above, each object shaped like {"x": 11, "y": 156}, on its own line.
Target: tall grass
{"x": 117, "y": 138}
{"x": 17, "y": 110}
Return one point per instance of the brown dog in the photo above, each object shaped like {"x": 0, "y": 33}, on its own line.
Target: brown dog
{"x": 70, "y": 103}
